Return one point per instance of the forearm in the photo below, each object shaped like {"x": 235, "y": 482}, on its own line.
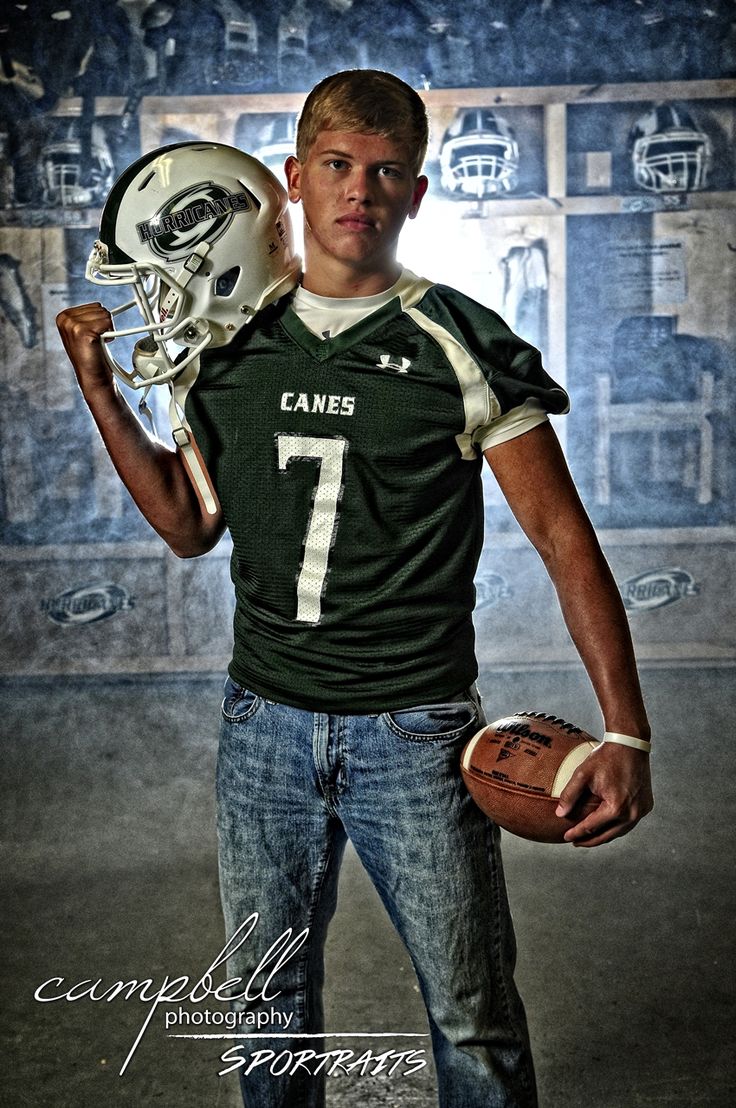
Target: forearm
{"x": 155, "y": 476}
{"x": 531, "y": 471}
{"x": 596, "y": 619}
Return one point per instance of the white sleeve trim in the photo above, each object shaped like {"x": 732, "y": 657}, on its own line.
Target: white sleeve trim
{"x": 510, "y": 425}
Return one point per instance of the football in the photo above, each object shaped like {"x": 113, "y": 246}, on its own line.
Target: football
{"x": 516, "y": 768}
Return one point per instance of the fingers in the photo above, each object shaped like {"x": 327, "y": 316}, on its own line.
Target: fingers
{"x": 572, "y": 793}
{"x": 80, "y": 329}
{"x": 602, "y": 826}
{"x": 619, "y": 777}
{"x": 84, "y": 320}
{"x": 577, "y": 790}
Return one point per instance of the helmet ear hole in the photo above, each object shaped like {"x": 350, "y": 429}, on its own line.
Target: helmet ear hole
{"x": 251, "y": 196}
{"x": 227, "y": 281}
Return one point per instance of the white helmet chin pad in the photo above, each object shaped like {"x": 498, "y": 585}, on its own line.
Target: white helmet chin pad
{"x": 202, "y": 234}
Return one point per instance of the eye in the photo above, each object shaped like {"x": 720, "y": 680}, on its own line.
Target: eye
{"x": 226, "y": 282}
{"x": 337, "y": 163}
{"x": 389, "y": 171}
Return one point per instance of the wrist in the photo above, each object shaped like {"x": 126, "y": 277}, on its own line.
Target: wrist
{"x": 632, "y": 741}
{"x": 627, "y": 722}
{"x": 96, "y": 382}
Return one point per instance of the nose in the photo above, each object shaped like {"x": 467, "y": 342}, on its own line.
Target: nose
{"x": 358, "y": 186}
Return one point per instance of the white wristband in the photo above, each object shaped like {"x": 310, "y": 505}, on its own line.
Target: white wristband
{"x": 627, "y": 740}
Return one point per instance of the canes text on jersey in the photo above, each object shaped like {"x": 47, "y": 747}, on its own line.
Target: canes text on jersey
{"x": 318, "y": 403}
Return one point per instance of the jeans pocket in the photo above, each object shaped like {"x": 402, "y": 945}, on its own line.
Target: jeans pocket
{"x": 433, "y": 722}
{"x": 239, "y": 703}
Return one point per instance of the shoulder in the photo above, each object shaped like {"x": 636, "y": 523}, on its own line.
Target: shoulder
{"x": 480, "y": 345}
{"x": 261, "y": 336}
{"x": 456, "y": 320}
{"x": 479, "y": 328}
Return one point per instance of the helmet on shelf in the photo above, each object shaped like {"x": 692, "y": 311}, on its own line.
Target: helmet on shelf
{"x": 479, "y": 155}
{"x": 70, "y": 183}
{"x": 669, "y": 150}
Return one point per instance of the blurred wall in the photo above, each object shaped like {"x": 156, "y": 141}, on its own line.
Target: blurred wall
{"x": 587, "y": 194}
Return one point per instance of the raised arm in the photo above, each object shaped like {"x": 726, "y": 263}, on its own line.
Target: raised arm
{"x": 155, "y": 475}
{"x": 533, "y": 475}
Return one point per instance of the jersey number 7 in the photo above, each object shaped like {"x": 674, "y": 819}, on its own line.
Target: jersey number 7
{"x": 324, "y": 517}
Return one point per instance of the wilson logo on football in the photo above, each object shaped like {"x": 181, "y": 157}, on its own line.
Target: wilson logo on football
{"x": 87, "y": 604}
{"x": 657, "y": 587}
{"x": 199, "y": 213}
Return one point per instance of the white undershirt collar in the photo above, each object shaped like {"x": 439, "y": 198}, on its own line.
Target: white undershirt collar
{"x": 327, "y": 316}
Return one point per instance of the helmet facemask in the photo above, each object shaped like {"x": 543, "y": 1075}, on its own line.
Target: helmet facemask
{"x": 676, "y": 161}
{"x": 670, "y": 152}
{"x": 479, "y": 155}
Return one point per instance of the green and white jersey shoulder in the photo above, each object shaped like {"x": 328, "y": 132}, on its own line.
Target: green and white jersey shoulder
{"x": 348, "y": 470}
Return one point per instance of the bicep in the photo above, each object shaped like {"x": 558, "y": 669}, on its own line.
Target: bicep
{"x": 534, "y": 478}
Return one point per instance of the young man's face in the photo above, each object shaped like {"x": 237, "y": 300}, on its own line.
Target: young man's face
{"x": 357, "y": 191}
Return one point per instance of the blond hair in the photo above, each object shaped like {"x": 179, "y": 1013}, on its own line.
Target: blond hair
{"x": 365, "y": 101}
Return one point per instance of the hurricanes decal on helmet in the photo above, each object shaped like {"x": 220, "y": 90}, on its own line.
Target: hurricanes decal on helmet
{"x": 200, "y": 213}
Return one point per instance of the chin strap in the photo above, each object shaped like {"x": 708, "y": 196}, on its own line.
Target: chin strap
{"x": 147, "y": 363}
{"x": 184, "y": 439}
{"x": 181, "y": 431}
{"x": 153, "y": 364}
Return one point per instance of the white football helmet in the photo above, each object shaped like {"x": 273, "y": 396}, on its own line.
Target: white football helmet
{"x": 202, "y": 233}
{"x": 669, "y": 151}
{"x": 479, "y": 155}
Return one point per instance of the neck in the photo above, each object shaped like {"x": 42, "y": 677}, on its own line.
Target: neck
{"x": 342, "y": 281}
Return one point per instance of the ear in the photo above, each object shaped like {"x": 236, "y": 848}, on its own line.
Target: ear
{"x": 419, "y": 190}
{"x": 293, "y": 171}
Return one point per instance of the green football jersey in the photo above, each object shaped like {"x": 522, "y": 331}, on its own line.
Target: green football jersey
{"x": 349, "y": 474}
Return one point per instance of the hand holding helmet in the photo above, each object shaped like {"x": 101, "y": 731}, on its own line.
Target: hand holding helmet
{"x": 201, "y": 234}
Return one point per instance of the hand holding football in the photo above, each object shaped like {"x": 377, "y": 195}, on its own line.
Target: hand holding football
{"x": 516, "y": 768}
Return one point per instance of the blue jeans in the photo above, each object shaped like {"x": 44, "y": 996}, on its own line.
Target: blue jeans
{"x": 292, "y": 787}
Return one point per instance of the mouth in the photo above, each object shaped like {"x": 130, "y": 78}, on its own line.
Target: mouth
{"x": 354, "y": 221}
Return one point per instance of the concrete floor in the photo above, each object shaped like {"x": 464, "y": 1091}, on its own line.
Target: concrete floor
{"x": 626, "y": 952}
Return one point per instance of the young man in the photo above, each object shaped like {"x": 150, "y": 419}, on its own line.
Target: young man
{"x": 343, "y": 432}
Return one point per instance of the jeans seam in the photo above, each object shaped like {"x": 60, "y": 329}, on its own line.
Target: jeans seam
{"x": 499, "y": 959}
{"x": 304, "y": 961}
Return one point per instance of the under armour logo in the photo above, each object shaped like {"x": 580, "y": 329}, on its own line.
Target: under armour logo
{"x": 384, "y": 362}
